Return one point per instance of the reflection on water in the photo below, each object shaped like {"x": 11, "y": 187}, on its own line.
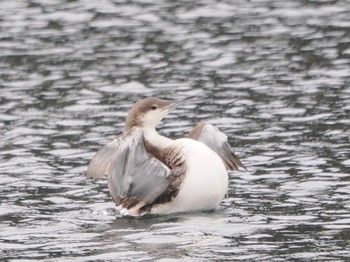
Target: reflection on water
{"x": 273, "y": 75}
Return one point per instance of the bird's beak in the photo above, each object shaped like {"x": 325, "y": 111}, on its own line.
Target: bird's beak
{"x": 177, "y": 103}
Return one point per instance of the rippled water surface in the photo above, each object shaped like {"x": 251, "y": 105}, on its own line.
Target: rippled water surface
{"x": 273, "y": 75}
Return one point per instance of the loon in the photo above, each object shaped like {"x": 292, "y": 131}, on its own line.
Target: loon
{"x": 148, "y": 173}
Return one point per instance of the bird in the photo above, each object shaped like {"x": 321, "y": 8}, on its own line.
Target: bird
{"x": 148, "y": 173}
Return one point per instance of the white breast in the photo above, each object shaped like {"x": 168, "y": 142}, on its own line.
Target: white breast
{"x": 205, "y": 183}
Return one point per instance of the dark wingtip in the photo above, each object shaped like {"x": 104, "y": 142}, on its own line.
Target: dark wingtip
{"x": 238, "y": 162}
{"x": 233, "y": 163}
{"x": 231, "y": 160}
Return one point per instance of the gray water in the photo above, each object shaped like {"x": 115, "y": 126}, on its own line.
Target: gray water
{"x": 273, "y": 75}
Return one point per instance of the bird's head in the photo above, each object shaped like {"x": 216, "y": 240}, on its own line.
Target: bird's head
{"x": 148, "y": 112}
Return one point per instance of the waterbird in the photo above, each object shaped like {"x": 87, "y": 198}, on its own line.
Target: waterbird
{"x": 148, "y": 173}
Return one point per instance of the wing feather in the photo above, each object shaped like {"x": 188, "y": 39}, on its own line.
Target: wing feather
{"x": 217, "y": 141}
{"x": 134, "y": 176}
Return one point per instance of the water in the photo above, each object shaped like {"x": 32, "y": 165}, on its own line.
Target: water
{"x": 273, "y": 75}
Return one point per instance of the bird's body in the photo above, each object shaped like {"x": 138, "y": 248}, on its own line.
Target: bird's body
{"x": 150, "y": 173}
{"x": 205, "y": 180}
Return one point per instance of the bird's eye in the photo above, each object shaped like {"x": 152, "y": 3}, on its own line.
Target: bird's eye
{"x": 154, "y": 107}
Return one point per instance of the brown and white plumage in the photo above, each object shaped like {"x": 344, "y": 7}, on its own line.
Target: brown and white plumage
{"x": 217, "y": 141}
{"x": 149, "y": 173}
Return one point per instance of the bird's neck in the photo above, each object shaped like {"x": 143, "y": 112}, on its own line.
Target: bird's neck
{"x": 155, "y": 139}
{"x": 157, "y": 145}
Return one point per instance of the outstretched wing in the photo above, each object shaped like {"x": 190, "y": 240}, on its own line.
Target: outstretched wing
{"x": 217, "y": 141}
{"x": 135, "y": 178}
